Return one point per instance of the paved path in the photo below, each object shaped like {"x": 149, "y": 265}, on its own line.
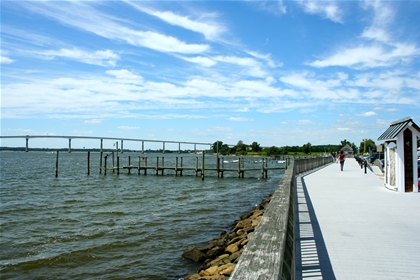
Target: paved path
{"x": 351, "y": 227}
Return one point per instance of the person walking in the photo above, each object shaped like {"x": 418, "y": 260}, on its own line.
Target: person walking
{"x": 341, "y": 158}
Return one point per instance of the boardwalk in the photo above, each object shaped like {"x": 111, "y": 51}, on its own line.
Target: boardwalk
{"x": 351, "y": 227}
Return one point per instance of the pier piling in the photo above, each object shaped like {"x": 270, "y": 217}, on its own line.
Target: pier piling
{"x": 56, "y": 165}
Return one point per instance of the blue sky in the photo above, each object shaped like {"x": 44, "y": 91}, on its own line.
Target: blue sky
{"x": 276, "y": 72}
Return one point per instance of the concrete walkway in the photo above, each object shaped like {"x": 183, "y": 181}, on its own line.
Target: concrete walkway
{"x": 351, "y": 227}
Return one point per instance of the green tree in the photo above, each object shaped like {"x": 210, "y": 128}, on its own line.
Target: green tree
{"x": 306, "y": 148}
{"x": 217, "y": 146}
{"x": 367, "y": 146}
{"x": 272, "y": 151}
{"x": 255, "y": 147}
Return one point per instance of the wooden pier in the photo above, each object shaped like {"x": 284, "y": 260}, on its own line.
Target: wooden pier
{"x": 143, "y": 166}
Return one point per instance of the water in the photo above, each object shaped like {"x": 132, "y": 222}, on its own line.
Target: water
{"x": 125, "y": 226}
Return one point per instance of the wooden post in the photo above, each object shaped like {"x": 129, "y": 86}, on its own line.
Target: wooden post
{"x": 266, "y": 170}
{"x": 217, "y": 167}
{"x": 129, "y": 164}
{"x": 202, "y": 167}
{"x": 27, "y": 144}
{"x": 69, "y": 145}
{"x": 176, "y": 167}
{"x": 239, "y": 167}
{"x": 163, "y": 164}
{"x": 106, "y": 157}
{"x": 56, "y": 165}
{"x": 262, "y": 168}
{"x": 243, "y": 167}
{"x": 100, "y": 162}
{"x": 139, "y": 167}
{"x": 118, "y": 165}
{"x": 181, "y": 167}
{"x": 157, "y": 165}
{"x": 223, "y": 166}
{"x": 88, "y": 163}
{"x": 113, "y": 162}
{"x": 145, "y": 166}
{"x": 196, "y": 166}
{"x": 142, "y": 147}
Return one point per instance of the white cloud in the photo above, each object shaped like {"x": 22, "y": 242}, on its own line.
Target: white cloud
{"x": 327, "y": 9}
{"x": 123, "y": 75}
{"x": 306, "y": 122}
{"x": 124, "y": 127}
{"x": 211, "y": 29}
{"x": 367, "y": 114}
{"x": 364, "y": 56}
{"x": 100, "y": 57}
{"x": 93, "y": 121}
{"x": 240, "y": 119}
{"x": 383, "y": 15}
{"x": 5, "y": 60}
{"x": 91, "y": 20}
{"x": 343, "y": 128}
{"x": 204, "y": 61}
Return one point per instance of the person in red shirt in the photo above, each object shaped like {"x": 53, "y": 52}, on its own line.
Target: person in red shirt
{"x": 341, "y": 158}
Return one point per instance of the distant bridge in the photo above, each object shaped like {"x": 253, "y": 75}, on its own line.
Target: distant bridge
{"x": 27, "y": 137}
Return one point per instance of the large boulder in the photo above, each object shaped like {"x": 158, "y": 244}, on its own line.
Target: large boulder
{"x": 194, "y": 254}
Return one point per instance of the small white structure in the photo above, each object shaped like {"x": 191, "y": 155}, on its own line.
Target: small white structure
{"x": 400, "y": 163}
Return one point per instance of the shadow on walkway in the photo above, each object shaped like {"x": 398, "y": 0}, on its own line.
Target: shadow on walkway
{"x": 312, "y": 260}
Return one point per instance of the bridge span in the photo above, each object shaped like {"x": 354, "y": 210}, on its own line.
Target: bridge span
{"x": 121, "y": 140}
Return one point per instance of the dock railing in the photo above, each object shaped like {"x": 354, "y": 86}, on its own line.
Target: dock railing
{"x": 270, "y": 254}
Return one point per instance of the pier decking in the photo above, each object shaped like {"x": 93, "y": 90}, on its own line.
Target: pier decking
{"x": 350, "y": 227}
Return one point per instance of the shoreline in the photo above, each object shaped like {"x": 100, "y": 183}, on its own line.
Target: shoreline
{"x": 220, "y": 256}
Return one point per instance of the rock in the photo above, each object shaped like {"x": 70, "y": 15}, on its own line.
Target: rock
{"x": 232, "y": 248}
{"x": 214, "y": 252}
{"x": 243, "y": 224}
{"x": 193, "y": 277}
{"x": 256, "y": 221}
{"x": 235, "y": 256}
{"x": 209, "y": 271}
{"x": 226, "y": 269}
{"x": 194, "y": 254}
{"x": 221, "y": 260}
{"x": 215, "y": 277}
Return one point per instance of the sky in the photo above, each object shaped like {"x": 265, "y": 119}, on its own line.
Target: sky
{"x": 273, "y": 72}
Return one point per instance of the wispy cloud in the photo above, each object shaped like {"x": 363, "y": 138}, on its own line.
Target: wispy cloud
{"x": 91, "y": 20}
{"x": 100, "y": 57}
{"x": 125, "y": 127}
{"x": 206, "y": 24}
{"x": 240, "y": 119}
{"x": 367, "y": 114}
{"x": 326, "y": 9}
{"x": 5, "y": 60}
{"x": 369, "y": 56}
{"x": 376, "y": 49}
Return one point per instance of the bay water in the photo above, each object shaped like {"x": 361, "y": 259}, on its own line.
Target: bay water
{"x": 127, "y": 226}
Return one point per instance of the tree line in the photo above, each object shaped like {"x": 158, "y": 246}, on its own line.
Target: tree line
{"x": 243, "y": 149}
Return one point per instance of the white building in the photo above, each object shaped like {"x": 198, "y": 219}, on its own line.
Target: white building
{"x": 400, "y": 163}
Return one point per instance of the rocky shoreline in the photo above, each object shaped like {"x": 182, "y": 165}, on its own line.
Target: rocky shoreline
{"x": 221, "y": 255}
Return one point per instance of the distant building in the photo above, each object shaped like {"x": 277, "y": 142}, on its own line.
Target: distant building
{"x": 348, "y": 151}
{"x": 400, "y": 163}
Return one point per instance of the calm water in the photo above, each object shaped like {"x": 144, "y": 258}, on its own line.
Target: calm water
{"x": 113, "y": 227}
